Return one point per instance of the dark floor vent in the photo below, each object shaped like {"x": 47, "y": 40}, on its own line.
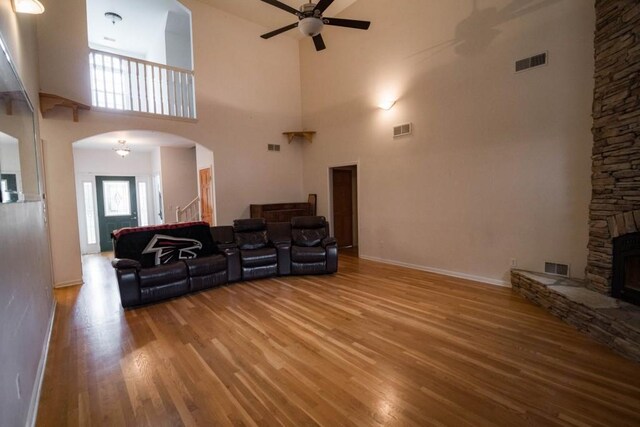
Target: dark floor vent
{"x": 531, "y": 62}
{"x": 555, "y": 268}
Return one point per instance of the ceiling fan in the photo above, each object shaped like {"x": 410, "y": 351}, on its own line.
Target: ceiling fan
{"x": 311, "y": 21}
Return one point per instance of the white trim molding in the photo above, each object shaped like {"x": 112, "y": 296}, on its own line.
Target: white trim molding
{"x": 480, "y": 279}
{"x": 35, "y": 395}
{"x": 68, "y": 283}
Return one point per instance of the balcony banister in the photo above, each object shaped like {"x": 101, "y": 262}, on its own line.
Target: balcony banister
{"x": 142, "y": 61}
{"x": 124, "y": 83}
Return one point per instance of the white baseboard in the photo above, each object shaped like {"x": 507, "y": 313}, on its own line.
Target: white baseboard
{"x": 488, "y": 281}
{"x": 35, "y": 395}
{"x": 68, "y": 283}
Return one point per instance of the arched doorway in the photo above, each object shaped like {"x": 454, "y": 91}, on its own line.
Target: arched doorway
{"x": 137, "y": 178}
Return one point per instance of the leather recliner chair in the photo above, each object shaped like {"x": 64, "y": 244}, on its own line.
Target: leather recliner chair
{"x": 258, "y": 255}
{"x": 312, "y": 250}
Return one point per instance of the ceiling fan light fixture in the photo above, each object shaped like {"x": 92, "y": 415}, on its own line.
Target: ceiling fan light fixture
{"x": 310, "y": 26}
{"x": 33, "y": 7}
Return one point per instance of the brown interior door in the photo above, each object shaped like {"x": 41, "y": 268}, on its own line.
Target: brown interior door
{"x": 343, "y": 207}
{"x": 206, "y": 202}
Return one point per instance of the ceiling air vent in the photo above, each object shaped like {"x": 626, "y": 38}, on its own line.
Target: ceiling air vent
{"x": 402, "y": 130}
{"x": 531, "y": 62}
{"x": 557, "y": 269}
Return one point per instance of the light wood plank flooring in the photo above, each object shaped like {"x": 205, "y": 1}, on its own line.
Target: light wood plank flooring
{"x": 372, "y": 345}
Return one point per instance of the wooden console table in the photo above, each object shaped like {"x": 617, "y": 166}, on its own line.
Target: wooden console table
{"x": 280, "y": 212}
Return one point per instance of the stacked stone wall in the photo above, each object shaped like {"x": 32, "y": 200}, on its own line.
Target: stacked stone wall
{"x": 615, "y": 201}
{"x": 607, "y": 320}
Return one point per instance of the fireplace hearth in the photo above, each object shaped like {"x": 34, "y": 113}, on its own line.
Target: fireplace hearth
{"x": 626, "y": 268}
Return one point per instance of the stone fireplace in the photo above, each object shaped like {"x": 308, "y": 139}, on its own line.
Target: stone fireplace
{"x": 615, "y": 202}
{"x": 613, "y": 264}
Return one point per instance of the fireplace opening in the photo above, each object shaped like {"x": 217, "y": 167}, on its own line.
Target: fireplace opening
{"x": 626, "y": 268}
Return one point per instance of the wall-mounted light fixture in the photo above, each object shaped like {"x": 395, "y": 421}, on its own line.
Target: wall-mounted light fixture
{"x": 387, "y": 104}
{"x": 33, "y": 7}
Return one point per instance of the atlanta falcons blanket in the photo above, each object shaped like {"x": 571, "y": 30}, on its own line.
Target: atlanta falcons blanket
{"x": 163, "y": 244}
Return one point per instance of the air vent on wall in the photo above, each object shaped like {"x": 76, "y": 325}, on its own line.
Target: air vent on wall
{"x": 402, "y": 130}
{"x": 555, "y": 268}
{"x": 273, "y": 147}
{"x": 531, "y": 62}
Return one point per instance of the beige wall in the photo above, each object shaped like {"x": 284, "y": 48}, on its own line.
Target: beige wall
{"x": 179, "y": 182}
{"x": 25, "y": 269}
{"x": 247, "y": 93}
{"x": 498, "y": 164}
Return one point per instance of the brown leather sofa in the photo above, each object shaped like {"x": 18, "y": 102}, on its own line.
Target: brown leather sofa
{"x": 160, "y": 262}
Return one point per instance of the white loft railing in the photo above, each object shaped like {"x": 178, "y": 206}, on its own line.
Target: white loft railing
{"x": 191, "y": 212}
{"x": 130, "y": 84}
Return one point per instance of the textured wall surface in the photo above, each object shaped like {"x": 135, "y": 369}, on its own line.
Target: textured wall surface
{"x": 616, "y": 132}
{"x": 25, "y": 270}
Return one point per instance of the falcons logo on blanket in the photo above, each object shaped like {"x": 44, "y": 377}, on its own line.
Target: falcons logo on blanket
{"x": 168, "y": 248}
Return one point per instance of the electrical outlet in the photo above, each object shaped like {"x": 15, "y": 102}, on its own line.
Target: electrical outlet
{"x": 18, "y": 388}
{"x": 514, "y": 263}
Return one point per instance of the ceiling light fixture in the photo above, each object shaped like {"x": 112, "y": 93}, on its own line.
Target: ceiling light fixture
{"x": 122, "y": 150}
{"x": 113, "y": 17}
{"x": 33, "y": 7}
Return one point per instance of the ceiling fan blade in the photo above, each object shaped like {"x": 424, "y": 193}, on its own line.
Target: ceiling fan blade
{"x": 282, "y": 6}
{"x": 323, "y": 5}
{"x": 319, "y": 42}
{"x": 279, "y": 31}
{"x": 349, "y": 23}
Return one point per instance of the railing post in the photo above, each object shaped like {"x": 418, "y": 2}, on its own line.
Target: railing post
{"x": 146, "y": 89}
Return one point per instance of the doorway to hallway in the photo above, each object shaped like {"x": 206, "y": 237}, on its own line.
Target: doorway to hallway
{"x": 344, "y": 204}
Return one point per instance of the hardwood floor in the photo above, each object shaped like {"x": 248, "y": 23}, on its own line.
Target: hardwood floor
{"x": 372, "y": 345}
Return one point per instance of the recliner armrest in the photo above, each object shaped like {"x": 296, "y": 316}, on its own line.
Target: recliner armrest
{"x": 232, "y": 253}
{"x": 124, "y": 263}
{"x": 128, "y": 283}
{"x": 222, "y": 247}
{"x": 281, "y": 241}
{"x": 283, "y": 248}
{"x": 328, "y": 241}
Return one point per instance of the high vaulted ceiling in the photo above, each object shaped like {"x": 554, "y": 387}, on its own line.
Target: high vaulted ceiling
{"x": 143, "y": 21}
{"x": 271, "y": 17}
